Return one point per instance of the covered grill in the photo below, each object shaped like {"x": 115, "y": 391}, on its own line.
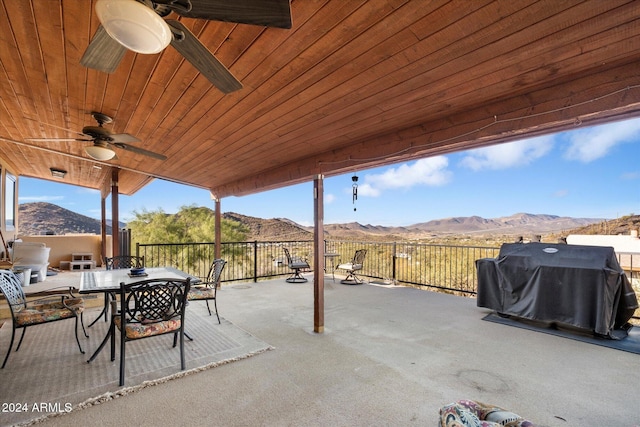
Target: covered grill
{"x": 575, "y": 285}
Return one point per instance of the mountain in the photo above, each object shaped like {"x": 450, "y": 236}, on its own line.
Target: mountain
{"x": 270, "y": 229}
{"x": 45, "y": 218}
{"x": 41, "y": 218}
{"x": 520, "y": 223}
{"x": 616, "y": 226}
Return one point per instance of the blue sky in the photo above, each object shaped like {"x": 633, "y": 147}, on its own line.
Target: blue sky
{"x": 589, "y": 173}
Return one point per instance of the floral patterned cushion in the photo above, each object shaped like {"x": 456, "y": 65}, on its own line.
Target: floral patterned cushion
{"x": 467, "y": 413}
{"x": 141, "y": 330}
{"x": 202, "y": 293}
{"x": 48, "y": 312}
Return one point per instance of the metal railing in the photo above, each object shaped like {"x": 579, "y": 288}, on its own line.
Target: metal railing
{"x": 630, "y": 263}
{"x": 447, "y": 268}
{"x": 444, "y": 267}
{"x": 245, "y": 260}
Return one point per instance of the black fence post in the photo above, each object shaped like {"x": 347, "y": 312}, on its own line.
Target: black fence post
{"x": 255, "y": 261}
{"x": 393, "y": 262}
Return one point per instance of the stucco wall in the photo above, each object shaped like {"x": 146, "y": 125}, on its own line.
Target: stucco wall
{"x": 620, "y": 243}
{"x": 63, "y": 246}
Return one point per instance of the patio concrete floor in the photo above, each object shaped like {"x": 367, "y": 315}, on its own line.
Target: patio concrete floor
{"x": 389, "y": 356}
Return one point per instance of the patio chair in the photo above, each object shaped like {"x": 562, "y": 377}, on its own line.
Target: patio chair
{"x": 148, "y": 308}
{"x": 124, "y": 261}
{"x": 112, "y": 263}
{"x": 352, "y": 267}
{"x": 45, "y": 310}
{"x": 296, "y": 264}
{"x": 207, "y": 290}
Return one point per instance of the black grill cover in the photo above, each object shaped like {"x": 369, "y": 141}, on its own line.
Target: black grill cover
{"x": 581, "y": 286}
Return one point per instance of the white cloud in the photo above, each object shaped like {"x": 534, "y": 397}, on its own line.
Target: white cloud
{"x": 508, "y": 155}
{"x": 561, "y": 193}
{"x": 329, "y": 198}
{"x": 431, "y": 171}
{"x": 596, "y": 142}
{"x": 367, "y": 190}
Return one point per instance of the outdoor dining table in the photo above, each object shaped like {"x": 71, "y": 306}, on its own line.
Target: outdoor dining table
{"x": 108, "y": 282}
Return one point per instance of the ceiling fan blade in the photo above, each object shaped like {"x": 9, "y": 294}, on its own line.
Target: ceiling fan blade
{"x": 185, "y": 42}
{"x": 103, "y": 53}
{"x": 138, "y": 150}
{"x": 61, "y": 128}
{"x": 269, "y": 13}
{"x": 124, "y": 137}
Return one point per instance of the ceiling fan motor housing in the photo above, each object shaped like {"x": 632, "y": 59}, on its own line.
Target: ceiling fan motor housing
{"x": 98, "y": 133}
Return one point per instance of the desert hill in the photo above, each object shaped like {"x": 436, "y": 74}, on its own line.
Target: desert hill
{"x": 41, "y": 218}
{"x": 270, "y": 229}
{"x": 524, "y": 224}
{"x": 46, "y": 218}
{"x": 617, "y": 226}
{"x": 520, "y": 223}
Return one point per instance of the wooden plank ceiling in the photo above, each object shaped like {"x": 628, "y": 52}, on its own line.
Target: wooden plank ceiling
{"x": 352, "y": 85}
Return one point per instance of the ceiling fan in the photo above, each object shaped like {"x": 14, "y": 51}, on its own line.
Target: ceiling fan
{"x": 138, "y": 25}
{"x": 104, "y": 141}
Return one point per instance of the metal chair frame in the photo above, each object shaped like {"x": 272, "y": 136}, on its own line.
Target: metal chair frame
{"x": 146, "y": 303}
{"x": 296, "y": 264}
{"x": 124, "y": 261}
{"x": 352, "y": 267}
{"x": 17, "y": 301}
{"x": 210, "y": 286}
{"x": 113, "y": 263}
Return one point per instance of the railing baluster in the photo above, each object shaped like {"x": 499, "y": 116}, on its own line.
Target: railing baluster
{"x": 446, "y": 267}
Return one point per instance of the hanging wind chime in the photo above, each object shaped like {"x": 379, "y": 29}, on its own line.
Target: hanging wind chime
{"x": 354, "y": 179}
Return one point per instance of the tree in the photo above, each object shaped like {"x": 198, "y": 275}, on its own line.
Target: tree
{"x": 192, "y": 224}
{"x": 187, "y": 237}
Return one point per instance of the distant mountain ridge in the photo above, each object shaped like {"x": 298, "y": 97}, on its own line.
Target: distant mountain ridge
{"x": 516, "y": 224}
{"x": 46, "y": 218}
{"x": 41, "y": 218}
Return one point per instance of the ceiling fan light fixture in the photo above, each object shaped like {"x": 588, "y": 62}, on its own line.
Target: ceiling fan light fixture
{"x": 134, "y": 25}
{"x": 99, "y": 153}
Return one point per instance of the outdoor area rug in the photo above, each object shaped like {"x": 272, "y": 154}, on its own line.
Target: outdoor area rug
{"x": 631, "y": 343}
{"x": 49, "y": 375}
